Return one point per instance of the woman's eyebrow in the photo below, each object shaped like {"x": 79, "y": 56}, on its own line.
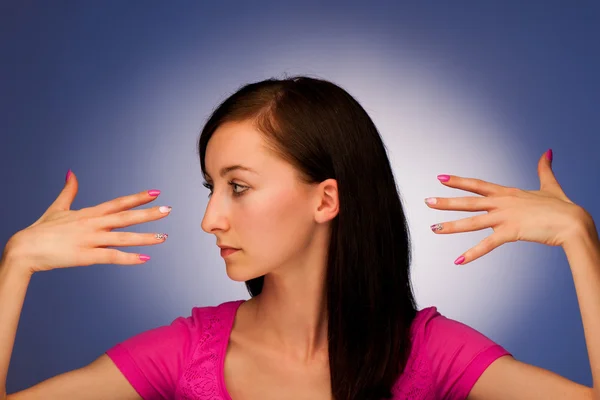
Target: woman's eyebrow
{"x": 225, "y": 170}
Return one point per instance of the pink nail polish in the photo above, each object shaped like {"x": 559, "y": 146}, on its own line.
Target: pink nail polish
{"x": 443, "y": 178}
{"x": 549, "y": 155}
{"x": 459, "y": 260}
{"x": 68, "y": 175}
{"x": 144, "y": 257}
{"x": 436, "y": 227}
{"x": 154, "y": 192}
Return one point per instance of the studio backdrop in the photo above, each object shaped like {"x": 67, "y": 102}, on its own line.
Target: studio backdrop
{"x": 118, "y": 92}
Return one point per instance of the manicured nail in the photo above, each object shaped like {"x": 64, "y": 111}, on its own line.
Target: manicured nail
{"x": 160, "y": 236}
{"x": 436, "y": 227}
{"x": 443, "y": 178}
{"x": 549, "y": 155}
{"x": 459, "y": 260}
{"x": 68, "y": 175}
{"x": 164, "y": 209}
{"x": 431, "y": 200}
{"x": 144, "y": 257}
{"x": 154, "y": 192}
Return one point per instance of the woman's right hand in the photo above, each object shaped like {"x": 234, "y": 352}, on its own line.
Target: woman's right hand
{"x": 63, "y": 238}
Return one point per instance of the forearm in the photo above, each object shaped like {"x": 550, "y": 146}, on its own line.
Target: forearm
{"x": 13, "y": 287}
{"x": 583, "y": 254}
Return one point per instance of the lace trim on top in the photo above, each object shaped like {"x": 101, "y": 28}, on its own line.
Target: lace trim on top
{"x": 203, "y": 376}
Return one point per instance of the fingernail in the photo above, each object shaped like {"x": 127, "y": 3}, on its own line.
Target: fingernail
{"x": 154, "y": 192}
{"x": 443, "y": 178}
{"x": 549, "y": 155}
{"x": 144, "y": 257}
{"x": 436, "y": 227}
{"x": 160, "y": 236}
{"x": 68, "y": 175}
{"x": 431, "y": 200}
{"x": 164, "y": 209}
{"x": 459, "y": 260}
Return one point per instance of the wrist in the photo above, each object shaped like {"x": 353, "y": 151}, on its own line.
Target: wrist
{"x": 585, "y": 234}
{"x": 13, "y": 263}
{"x": 582, "y": 228}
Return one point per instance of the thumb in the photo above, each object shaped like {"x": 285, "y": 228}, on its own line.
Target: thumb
{"x": 548, "y": 182}
{"x": 65, "y": 199}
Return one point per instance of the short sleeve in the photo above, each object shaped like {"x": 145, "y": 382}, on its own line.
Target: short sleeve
{"x": 153, "y": 361}
{"x": 458, "y": 355}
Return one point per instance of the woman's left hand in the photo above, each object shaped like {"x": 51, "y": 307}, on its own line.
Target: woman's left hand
{"x": 544, "y": 216}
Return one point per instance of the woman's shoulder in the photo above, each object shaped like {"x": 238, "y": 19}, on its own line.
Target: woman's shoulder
{"x": 430, "y": 328}
{"x": 428, "y": 321}
{"x": 154, "y": 361}
{"x": 212, "y": 317}
{"x": 447, "y": 355}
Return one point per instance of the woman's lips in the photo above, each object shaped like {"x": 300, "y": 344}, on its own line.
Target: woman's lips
{"x": 226, "y": 252}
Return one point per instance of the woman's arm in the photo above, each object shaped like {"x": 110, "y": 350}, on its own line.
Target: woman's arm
{"x": 13, "y": 287}
{"x": 64, "y": 238}
{"x": 99, "y": 380}
{"x": 508, "y": 378}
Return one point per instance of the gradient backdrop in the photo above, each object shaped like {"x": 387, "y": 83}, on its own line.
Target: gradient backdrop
{"x": 119, "y": 91}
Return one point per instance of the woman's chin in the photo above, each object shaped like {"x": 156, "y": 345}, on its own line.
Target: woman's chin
{"x": 239, "y": 274}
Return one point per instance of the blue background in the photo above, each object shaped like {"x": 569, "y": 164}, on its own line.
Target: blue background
{"x": 118, "y": 91}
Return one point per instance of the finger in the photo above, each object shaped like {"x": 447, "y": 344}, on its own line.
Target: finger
{"x": 473, "y": 185}
{"x": 475, "y": 223}
{"x": 123, "y": 203}
{"x": 485, "y": 246}
{"x": 548, "y": 181}
{"x": 124, "y": 239}
{"x": 111, "y": 256}
{"x": 469, "y": 203}
{"x": 132, "y": 217}
{"x": 65, "y": 199}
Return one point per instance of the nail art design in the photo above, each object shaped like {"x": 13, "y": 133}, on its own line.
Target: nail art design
{"x": 436, "y": 227}
{"x": 160, "y": 236}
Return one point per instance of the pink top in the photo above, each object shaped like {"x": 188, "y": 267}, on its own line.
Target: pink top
{"x": 184, "y": 360}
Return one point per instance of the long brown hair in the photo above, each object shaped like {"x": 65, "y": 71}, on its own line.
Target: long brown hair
{"x": 324, "y": 133}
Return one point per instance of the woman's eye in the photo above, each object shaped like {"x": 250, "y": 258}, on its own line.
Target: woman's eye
{"x": 232, "y": 184}
{"x": 208, "y": 186}
{"x": 236, "y": 193}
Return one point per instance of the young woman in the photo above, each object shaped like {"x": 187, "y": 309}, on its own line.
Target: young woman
{"x": 305, "y": 208}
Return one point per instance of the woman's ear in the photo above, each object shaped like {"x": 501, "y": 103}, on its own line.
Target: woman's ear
{"x": 329, "y": 204}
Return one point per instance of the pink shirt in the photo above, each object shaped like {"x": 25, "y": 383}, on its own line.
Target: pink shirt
{"x": 184, "y": 360}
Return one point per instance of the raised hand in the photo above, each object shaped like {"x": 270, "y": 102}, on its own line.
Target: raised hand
{"x": 545, "y": 216}
{"x": 62, "y": 237}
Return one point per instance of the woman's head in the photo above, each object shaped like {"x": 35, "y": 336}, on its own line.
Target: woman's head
{"x": 276, "y": 218}
{"x": 311, "y": 140}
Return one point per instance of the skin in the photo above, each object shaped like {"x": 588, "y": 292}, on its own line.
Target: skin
{"x": 282, "y": 229}
{"x": 290, "y": 312}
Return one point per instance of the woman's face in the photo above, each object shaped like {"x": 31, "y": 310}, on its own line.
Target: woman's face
{"x": 267, "y": 212}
